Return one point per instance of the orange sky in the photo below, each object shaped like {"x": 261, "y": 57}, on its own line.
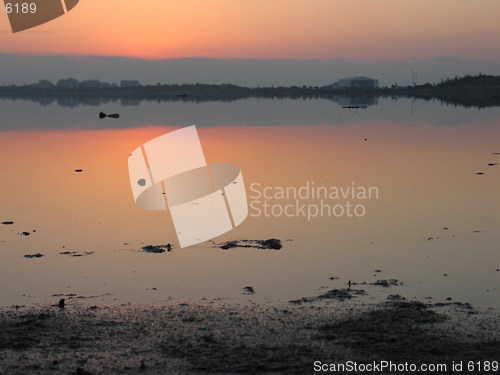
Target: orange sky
{"x": 296, "y": 29}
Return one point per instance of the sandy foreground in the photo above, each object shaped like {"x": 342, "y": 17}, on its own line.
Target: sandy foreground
{"x": 189, "y": 338}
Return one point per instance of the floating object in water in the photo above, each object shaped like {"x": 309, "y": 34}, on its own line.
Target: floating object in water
{"x": 248, "y": 289}
{"x": 492, "y": 164}
{"x": 7, "y": 222}
{"x": 61, "y": 303}
{"x": 37, "y": 255}
{"x": 271, "y": 244}
{"x": 76, "y": 254}
{"x": 354, "y": 106}
{"x": 78, "y": 170}
{"x": 104, "y": 115}
{"x": 480, "y": 173}
{"x": 156, "y": 249}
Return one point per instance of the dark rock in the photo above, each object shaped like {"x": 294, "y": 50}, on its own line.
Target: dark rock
{"x": 228, "y": 245}
{"x": 157, "y": 248}
{"x": 76, "y": 253}
{"x": 337, "y": 294}
{"x": 37, "y": 255}
{"x": 248, "y": 290}
{"x": 387, "y": 283}
{"x": 270, "y": 244}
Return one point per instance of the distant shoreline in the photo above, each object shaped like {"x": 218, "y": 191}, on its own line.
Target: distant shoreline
{"x": 478, "y": 91}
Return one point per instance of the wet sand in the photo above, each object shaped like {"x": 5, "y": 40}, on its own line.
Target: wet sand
{"x": 217, "y": 337}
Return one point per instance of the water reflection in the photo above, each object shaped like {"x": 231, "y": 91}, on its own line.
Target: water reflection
{"x": 425, "y": 175}
{"x": 21, "y": 115}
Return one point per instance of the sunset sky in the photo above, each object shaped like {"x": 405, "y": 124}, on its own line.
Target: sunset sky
{"x": 375, "y": 30}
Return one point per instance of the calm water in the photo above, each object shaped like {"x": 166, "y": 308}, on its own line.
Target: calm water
{"x": 420, "y": 156}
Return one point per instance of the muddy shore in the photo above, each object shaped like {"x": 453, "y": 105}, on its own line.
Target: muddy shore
{"x": 216, "y": 337}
